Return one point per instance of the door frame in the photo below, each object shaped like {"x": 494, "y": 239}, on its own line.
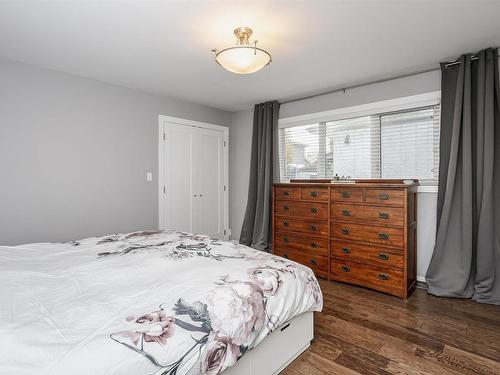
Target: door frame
{"x": 162, "y": 120}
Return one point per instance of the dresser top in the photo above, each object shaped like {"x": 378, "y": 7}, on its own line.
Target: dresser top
{"x": 351, "y": 185}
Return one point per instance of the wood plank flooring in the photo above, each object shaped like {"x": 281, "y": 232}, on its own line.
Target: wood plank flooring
{"x": 361, "y": 331}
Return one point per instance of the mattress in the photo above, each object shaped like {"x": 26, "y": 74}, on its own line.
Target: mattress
{"x": 150, "y": 302}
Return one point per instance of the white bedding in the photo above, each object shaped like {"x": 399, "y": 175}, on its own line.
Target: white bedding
{"x": 143, "y": 303}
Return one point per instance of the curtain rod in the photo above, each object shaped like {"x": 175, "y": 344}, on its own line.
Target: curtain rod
{"x": 385, "y": 79}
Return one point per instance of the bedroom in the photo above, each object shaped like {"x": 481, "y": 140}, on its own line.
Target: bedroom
{"x": 294, "y": 187}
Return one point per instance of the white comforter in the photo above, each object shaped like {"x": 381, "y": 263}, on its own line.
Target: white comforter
{"x": 142, "y": 303}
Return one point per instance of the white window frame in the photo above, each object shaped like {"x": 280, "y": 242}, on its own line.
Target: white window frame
{"x": 374, "y": 108}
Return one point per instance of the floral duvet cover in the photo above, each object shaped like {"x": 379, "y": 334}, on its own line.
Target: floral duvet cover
{"x": 153, "y": 302}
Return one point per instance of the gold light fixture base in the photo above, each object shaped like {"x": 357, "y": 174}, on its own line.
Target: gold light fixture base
{"x": 243, "y": 35}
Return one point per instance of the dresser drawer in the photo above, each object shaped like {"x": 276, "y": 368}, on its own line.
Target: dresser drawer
{"x": 285, "y": 192}
{"x": 346, "y": 194}
{"x": 302, "y": 209}
{"x": 314, "y": 228}
{"x": 370, "y": 214}
{"x": 317, "y": 263}
{"x": 386, "y": 197}
{"x": 368, "y": 233}
{"x": 319, "y": 194}
{"x": 380, "y": 278}
{"x": 375, "y": 256}
{"x": 314, "y": 246}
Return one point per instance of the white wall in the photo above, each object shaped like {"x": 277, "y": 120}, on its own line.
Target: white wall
{"x": 240, "y": 138}
{"x": 74, "y": 154}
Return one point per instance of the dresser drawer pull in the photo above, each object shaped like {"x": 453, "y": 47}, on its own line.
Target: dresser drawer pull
{"x": 285, "y": 256}
{"x": 285, "y": 223}
{"x": 286, "y": 193}
{"x": 346, "y": 213}
{"x": 346, "y": 250}
{"x": 345, "y": 268}
{"x": 314, "y": 210}
{"x": 383, "y": 196}
{"x": 383, "y": 215}
{"x": 314, "y": 193}
{"x": 346, "y": 194}
{"x": 314, "y": 227}
{"x": 285, "y": 239}
{"x": 313, "y": 262}
{"x": 314, "y": 245}
{"x": 346, "y": 230}
{"x": 383, "y": 236}
{"x": 383, "y": 276}
{"x": 286, "y": 208}
{"x": 383, "y": 256}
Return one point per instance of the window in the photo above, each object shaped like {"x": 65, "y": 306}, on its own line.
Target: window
{"x": 398, "y": 144}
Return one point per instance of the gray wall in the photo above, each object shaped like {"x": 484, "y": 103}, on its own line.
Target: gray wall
{"x": 74, "y": 154}
{"x": 241, "y": 131}
{"x": 240, "y": 142}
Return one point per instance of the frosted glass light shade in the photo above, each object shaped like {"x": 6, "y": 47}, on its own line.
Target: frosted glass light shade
{"x": 243, "y": 59}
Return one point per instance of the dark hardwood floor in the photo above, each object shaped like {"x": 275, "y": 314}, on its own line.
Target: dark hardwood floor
{"x": 366, "y": 332}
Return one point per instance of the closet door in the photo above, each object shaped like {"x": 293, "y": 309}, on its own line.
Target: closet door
{"x": 208, "y": 183}
{"x": 194, "y": 195}
{"x": 178, "y": 173}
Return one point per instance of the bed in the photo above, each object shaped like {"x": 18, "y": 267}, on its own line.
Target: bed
{"x": 152, "y": 302}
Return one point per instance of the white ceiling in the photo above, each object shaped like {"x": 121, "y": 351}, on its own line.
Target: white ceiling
{"x": 165, "y": 46}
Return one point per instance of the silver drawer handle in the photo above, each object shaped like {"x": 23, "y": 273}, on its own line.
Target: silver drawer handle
{"x": 346, "y": 230}
{"x": 314, "y": 193}
{"x": 345, "y": 268}
{"x": 314, "y": 210}
{"x": 314, "y": 245}
{"x": 286, "y": 208}
{"x": 346, "y": 194}
{"x": 383, "y": 276}
{"x": 384, "y": 236}
{"x": 346, "y": 250}
{"x": 383, "y": 196}
{"x": 313, "y": 262}
{"x": 383, "y": 256}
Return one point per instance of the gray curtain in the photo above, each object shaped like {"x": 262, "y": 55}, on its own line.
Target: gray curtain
{"x": 466, "y": 259}
{"x": 256, "y": 229}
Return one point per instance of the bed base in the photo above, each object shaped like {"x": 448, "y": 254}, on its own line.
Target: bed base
{"x": 278, "y": 349}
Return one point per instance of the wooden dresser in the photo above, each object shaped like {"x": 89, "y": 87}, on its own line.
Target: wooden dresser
{"x": 362, "y": 233}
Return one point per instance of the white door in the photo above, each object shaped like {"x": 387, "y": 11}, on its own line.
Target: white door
{"x": 194, "y": 175}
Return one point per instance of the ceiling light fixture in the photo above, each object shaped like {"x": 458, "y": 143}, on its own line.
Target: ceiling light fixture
{"x": 243, "y": 58}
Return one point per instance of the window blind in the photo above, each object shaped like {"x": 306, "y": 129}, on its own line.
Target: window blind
{"x": 398, "y": 145}
{"x": 410, "y": 145}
